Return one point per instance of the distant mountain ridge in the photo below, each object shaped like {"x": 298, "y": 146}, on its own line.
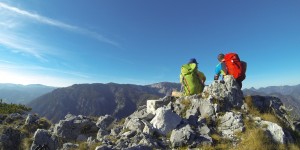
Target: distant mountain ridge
{"x": 284, "y": 90}
{"x": 120, "y": 100}
{"x": 17, "y": 93}
{"x": 166, "y": 87}
{"x": 97, "y": 99}
{"x": 289, "y": 95}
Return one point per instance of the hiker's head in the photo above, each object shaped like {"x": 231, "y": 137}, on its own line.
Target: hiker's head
{"x": 193, "y": 60}
{"x": 220, "y": 57}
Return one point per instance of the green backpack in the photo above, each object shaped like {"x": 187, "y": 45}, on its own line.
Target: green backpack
{"x": 190, "y": 79}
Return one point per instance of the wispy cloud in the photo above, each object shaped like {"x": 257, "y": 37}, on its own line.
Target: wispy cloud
{"x": 14, "y": 45}
{"x": 5, "y": 61}
{"x": 10, "y": 66}
{"x": 8, "y": 23}
{"x": 56, "y": 23}
{"x": 25, "y": 45}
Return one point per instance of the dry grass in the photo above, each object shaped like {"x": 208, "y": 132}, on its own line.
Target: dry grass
{"x": 121, "y": 122}
{"x": 26, "y": 143}
{"x": 219, "y": 143}
{"x": 44, "y": 123}
{"x": 209, "y": 121}
{"x": 270, "y": 117}
{"x": 168, "y": 135}
{"x": 296, "y": 144}
{"x": 183, "y": 148}
{"x": 216, "y": 137}
{"x": 252, "y": 110}
{"x": 85, "y": 146}
{"x": 206, "y": 147}
{"x": 293, "y": 147}
{"x": 185, "y": 102}
{"x": 254, "y": 138}
{"x": 205, "y": 95}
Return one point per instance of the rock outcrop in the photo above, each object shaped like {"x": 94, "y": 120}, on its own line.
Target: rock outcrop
{"x": 75, "y": 128}
{"x": 10, "y": 138}
{"x": 44, "y": 139}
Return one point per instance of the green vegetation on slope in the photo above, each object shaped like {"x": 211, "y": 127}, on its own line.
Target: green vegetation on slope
{"x": 12, "y": 108}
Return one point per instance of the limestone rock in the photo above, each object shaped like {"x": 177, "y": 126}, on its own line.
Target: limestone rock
{"x": 182, "y": 136}
{"x": 10, "y": 138}
{"x": 103, "y": 147}
{"x": 206, "y": 108}
{"x": 165, "y": 120}
{"x": 104, "y": 121}
{"x": 142, "y": 113}
{"x": 69, "y": 146}
{"x": 135, "y": 124}
{"x": 275, "y": 131}
{"x": 73, "y": 126}
{"x": 31, "y": 119}
{"x": 230, "y": 123}
{"x": 228, "y": 92}
{"x": 43, "y": 138}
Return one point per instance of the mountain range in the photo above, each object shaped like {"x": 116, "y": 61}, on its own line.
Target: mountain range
{"x": 22, "y": 94}
{"x": 118, "y": 100}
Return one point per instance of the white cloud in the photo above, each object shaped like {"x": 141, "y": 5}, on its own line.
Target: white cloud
{"x": 56, "y": 23}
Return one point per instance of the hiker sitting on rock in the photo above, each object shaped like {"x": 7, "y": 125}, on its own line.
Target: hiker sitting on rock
{"x": 230, "y": 64}
{"x": 221, "y": 69}
{"x": 191, "y": 78}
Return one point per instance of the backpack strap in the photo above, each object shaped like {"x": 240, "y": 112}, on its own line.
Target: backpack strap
{"x": 185, "y": 83}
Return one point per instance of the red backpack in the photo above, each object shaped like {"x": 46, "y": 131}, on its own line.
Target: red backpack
{"x": 235, "y": 67}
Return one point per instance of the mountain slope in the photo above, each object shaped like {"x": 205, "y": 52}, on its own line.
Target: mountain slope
{"x": 166, "y": 87}
{"x": 284, "y": 90}
{"x": 289, "y": 95}
{"x": 118, "y": 100}
{"x": 16, "y": 93}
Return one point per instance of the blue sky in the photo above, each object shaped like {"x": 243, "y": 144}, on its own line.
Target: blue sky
{"x": 65, "y": 42}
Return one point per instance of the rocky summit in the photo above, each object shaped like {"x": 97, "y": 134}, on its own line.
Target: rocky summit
{"x": 220, "y": 118}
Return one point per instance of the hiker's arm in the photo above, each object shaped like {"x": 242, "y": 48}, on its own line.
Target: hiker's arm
{"x": 218, "y": 71}
{"x": 202, "y": 77}
{"x": 223, "y": 69}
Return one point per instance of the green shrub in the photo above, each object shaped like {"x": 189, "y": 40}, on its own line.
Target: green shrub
{"x": 12, "y": 108}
